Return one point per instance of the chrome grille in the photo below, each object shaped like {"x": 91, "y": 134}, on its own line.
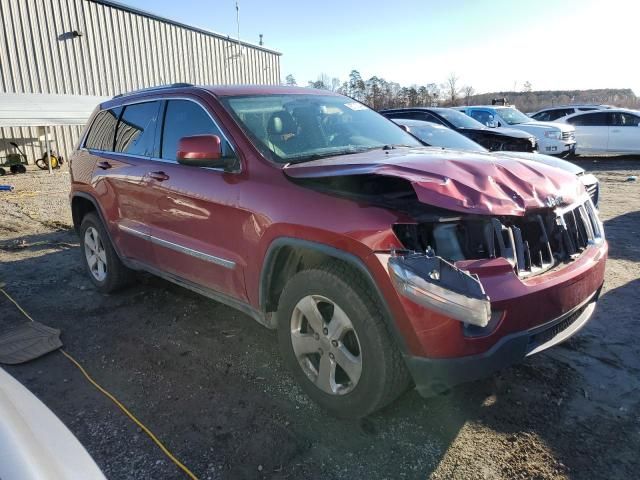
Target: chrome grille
{"x": 569, "y": 135}
{"x": 536, "y": 243}
{"x": 593, "y": 191}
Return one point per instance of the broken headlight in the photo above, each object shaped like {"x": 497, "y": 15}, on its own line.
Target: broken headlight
{"x": 438, "y": 285}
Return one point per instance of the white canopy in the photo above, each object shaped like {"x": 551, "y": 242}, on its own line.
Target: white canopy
{"x": 40, "y": 109}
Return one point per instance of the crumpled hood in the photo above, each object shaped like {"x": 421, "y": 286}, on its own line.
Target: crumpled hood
{"x": 464, "y": 182}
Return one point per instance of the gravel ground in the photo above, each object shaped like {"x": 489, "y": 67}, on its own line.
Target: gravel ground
{"x": 209, "y": 382}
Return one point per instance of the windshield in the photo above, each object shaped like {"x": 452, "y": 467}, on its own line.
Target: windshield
{"x": 457, "y": 118}
{"x": 295, "y": 128}
{"x": 513, "y": 116}
{"x": 439, "y": 136}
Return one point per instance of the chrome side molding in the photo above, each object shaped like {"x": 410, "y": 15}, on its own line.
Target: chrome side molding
{"x": 223, "y": 262}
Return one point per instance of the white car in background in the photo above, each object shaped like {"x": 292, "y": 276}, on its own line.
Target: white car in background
{"x": 435, "y": 135}
{"x": 553, "y": 138}
{"x": 551, "y": 114}
{"x": 615, "y": 130}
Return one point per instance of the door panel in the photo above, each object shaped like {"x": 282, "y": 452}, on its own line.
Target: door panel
{"x": 196, "y": 224}
{"x": 126, "y": 203}
{"x": 592, "y": 138}
{"x": 119, "y": 138}
{"x": 624, "y": 133}
{"x": 196, "y": 227}
{"x": 592, "y": 131}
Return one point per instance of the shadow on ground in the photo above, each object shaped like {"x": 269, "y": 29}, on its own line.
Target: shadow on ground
{"x": 626, "y": 231}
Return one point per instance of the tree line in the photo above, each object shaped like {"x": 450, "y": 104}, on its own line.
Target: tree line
{"x": 379, "y": 93}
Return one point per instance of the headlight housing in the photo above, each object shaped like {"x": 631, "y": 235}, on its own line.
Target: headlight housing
{"x": 553, "y": 134}
{"x": 438, "y": 285}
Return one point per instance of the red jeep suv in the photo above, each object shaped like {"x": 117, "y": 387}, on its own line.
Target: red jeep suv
{"x": 381, "y": 262}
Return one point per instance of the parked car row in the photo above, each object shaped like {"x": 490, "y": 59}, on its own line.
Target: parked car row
{"x": 559, "y": 131}
{"x": 500, "y": 138}
{"x": 380, "y": 261}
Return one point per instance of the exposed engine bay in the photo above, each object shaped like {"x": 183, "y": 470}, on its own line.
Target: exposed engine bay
{"x": 533, "y": 243}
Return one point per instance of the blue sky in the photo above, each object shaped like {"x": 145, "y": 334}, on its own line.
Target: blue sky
{"x": 490, "y": 45}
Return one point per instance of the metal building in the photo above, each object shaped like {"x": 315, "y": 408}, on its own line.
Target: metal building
{"x": 102, "y": 48}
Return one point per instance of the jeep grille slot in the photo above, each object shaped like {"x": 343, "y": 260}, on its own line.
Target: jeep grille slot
{"x": 533, "y": 244}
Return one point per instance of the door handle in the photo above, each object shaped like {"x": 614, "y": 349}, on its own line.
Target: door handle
{"x": 103, "y": 165}
{"x": 159, "y": 176}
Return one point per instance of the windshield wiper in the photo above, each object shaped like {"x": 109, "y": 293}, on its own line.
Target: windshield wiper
{"x": 318, "y": 156}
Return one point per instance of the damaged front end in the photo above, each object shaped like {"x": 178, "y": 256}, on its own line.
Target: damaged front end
{"x": 434, "y": 271}
{"x": 465, "y": 219}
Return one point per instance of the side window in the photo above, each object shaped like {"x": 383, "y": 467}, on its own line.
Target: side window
{"x": 483, "y": 116}
{"x": 102, "y": 130}
{"x": 559, "y": 113}
{"x": 541, "y": 117}
{"x": 184, "y": 118}
{"x": 137, "y": 128}
{"x": 596, "y": 119}
{"x": 620, "y": 119}
{"x": 428, "y": 117}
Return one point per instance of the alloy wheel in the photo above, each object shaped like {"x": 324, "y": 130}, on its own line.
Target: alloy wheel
{"x": 326, "y": 345}
{"x": 95, "y": 253}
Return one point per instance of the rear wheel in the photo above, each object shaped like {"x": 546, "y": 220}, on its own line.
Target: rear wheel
{"x": 334, "y": 339}
{"x": 105, "y": 269}
{"x": 3, "y": 172}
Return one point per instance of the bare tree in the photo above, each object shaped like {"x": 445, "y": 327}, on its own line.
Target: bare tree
{"x": 468, "y": 92}
{"x": 290, "y": 80}
{"x": 527, "y": 88}
{"x": 451, "y": 87}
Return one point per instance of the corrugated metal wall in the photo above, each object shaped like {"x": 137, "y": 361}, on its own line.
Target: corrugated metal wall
{"x": 119, "y": 51}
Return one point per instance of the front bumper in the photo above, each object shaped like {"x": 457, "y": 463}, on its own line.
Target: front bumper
{"x": 551, "y": 146}
{"x": 434, "y": 376}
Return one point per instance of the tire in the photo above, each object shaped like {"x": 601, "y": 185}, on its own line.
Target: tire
{"x": 338, "y": 292}
{"x": 106, "y": 271}
{"x": 3, "y": 172}
{"x": 22, "y": 169}
{"x": 13, "y": 169}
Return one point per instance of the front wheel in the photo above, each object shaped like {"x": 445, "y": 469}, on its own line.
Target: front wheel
{"x": 334, "y": 339}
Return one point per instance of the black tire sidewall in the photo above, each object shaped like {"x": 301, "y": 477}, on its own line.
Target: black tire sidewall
{"x": 365, "y": 397}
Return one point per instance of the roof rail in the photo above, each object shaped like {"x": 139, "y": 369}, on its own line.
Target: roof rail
{"x": 151, "y": 89}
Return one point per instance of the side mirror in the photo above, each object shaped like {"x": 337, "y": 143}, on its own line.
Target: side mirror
{"x": 203, "y": 151}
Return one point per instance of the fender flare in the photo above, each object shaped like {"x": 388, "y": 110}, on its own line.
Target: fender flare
{"x": 98, "y": 209}
{"x": 349, "y": 258}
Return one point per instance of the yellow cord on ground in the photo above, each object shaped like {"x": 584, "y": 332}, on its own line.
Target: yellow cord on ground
{"x": 107, "y": 394}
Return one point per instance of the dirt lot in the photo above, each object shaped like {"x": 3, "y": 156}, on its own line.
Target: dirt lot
{"x": 209, "y": 382}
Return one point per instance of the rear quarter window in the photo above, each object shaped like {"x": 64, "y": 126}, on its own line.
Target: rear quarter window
{"x": 136, "y": 130}
{"x": 102, "y": 131}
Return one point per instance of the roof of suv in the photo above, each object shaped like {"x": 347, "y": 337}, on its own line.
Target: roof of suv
{"x": 217, "y": 90}
{"x": 228, "y": 90}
